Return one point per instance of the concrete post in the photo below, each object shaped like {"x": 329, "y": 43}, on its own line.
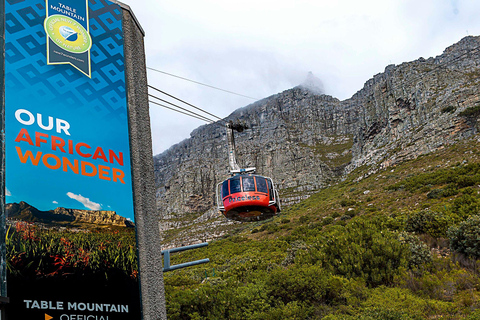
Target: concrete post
{"x": 146, "y": 216}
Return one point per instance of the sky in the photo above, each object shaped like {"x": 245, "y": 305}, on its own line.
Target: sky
{"x": 263, "y": 47}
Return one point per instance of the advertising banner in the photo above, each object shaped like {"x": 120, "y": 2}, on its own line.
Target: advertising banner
{"x": 71, "y": 250}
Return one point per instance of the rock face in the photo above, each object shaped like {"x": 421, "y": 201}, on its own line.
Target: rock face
{"x": 101, "y": 217}
{"x": 305, "y": 141}
{"x": 25, "y": 212}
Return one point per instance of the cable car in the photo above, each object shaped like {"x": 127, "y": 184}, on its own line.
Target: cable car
{"x": 245, "y": 196}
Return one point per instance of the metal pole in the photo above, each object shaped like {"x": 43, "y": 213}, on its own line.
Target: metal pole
{"x": 166, "y": 257}
{"x": 232, "y": 161}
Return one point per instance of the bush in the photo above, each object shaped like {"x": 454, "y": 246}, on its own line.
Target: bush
{"x": 347, "y": 202}
{"x": 472, "y": 112}
{"x": 465, "y": 238}
{"x": 429, "y": 222}
{"x": 327, "y": 220}
{"x": 304, "y": 219}
{"x": 449, "y": 109}
{"x": 465, "y": 206}
{"x": 419, "y": 252}
{"x": 448, "y": 191}
{"x": 364, "y": 249}
{"x": 456, "y": 177}
{"x": 302, "y": 283}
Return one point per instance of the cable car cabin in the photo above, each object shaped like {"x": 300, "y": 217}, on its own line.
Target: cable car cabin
{"x": 248, "y": 197}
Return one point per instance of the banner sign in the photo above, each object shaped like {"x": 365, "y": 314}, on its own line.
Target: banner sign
{"x": 71, "y": 249}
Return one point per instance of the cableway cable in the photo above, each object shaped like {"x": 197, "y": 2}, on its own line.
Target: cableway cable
{"x": 203, "y": 84}
{"x": 181, "y": 108}
{"x": 189, "y": 104}
{"x": 185, "y": 113}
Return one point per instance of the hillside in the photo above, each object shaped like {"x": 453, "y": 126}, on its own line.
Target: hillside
{"x": 308, "y": 141}
{"x": 400, "y": 243}
{"x": 64, "y": 217}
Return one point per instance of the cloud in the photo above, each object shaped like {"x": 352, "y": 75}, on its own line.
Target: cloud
{"x": 7, "y": 192}
{"x": 85, "y": 201}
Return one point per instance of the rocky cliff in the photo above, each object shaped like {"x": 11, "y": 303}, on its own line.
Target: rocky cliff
{"x": 25, "y": 212}
{"x": 305, "y": 140}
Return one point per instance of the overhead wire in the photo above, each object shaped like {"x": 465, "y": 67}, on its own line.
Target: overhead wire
{"x": 181, "y": 108}
{"x": 189, "y": 104}
{"x": 203, "y": 84}
{"x": 185, "y": 113}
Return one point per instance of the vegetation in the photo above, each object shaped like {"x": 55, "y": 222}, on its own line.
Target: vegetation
{"x": 335, "y": 154}
{"x": 402, "y": 243}
{"x": 472, "y": 112}
{"x": 36, "y": 252}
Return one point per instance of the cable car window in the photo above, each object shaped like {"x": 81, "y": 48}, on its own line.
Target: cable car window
{"x": 248, "y": 184}
{"x": 270, "y": 188}
{"x": 225, "y": 188}
{"x": 235, "y": 185}
{"x": 261, "y": 185}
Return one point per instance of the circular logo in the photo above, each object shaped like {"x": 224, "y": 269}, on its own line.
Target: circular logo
{"x": 67, "y": 33}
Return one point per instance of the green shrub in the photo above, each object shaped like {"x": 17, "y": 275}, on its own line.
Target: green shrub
{"x": 419, "y": 252}
{"x": 449, "y": 109}
{"x": 304, "y": 219}
{"x": 292, "y": 310}
{"x": 364, "y": 249}
{"x": 301, "y": 283}
{"x": 449, "y": 191}
{"x": 347, "y": 202}
{"x": 472, "y": 112}
{"x": 429, "y": 222}
{"x": 465, "y": 238}
{"x": 327, "y": 220}
{"x": 398, "y": 303}
{"x": 465, "y": 206}
{"x": 455, "y": 177}
{"x": 351, "y": 213}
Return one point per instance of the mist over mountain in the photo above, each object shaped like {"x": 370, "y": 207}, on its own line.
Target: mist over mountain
{"x": 305, "y": 140}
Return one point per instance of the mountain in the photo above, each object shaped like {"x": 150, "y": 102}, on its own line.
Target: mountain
{"x": 306, "y": 141}
{"x": 61, "y": 216}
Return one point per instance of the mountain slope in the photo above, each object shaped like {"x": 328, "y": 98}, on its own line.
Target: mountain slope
{"x": 306, "y": 141}
{"x": 381, "y": 247}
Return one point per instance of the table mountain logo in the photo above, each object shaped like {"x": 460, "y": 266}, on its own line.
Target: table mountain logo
{"x": 68, "y": 37}
{"x": 68, "y": 34}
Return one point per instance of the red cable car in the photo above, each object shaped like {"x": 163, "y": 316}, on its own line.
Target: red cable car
{"x": 245, "y": 196}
